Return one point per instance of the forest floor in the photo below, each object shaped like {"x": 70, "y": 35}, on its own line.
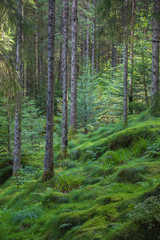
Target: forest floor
{"x": 108, "y": 188}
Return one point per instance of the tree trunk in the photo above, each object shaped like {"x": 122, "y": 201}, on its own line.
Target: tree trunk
{"x": 155, "y": 111}
{"x": 125, "y": 84}
{"x": 145, "y": 90}
{"x": 125, "y": 54}
{"x": 73, "y": 111}
{"x": 87, "y": 45}
{"x": 64, "y": 143}
{"x": 114, "y": 59}
{"x": 18, "y": 102}
{"x": 36, "y": 48}
{"x": 131, "y": 55}
{"x": 48, "y": 159}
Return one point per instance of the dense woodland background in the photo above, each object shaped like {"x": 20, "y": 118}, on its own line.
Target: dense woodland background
{"x": 79, "y": 114}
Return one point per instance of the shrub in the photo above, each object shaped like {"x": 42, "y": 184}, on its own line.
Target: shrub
{"x": 67, "y": 182}
{"x": 27, "y": 213}
{"x": 147, "y": 216}
{"x": 140, "y": 147}
{"x": 132, "y": 175}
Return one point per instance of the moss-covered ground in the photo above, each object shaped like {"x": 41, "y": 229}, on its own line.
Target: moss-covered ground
{"x": 108, "y": 188}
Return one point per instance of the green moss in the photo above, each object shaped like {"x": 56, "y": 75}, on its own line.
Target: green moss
{"x": 59, "y": 225}
{"x": 93, "y": 197}
{"x": 49, "y": 198}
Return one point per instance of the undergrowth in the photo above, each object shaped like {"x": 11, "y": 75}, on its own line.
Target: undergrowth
{"x": 106, "y": 189}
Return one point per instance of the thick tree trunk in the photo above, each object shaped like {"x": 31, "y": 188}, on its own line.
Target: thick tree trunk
{"x": 73, "y": 111}
{"x": 125, "y": 84}
{"x": 155, "y": 106}
{"x": 131, "y": 56}
{"x": 48, "y": 159}
{"x": 64, "y": 144}
{"x": 18, "y": 103}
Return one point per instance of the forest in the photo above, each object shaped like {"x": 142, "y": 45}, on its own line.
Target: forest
{"x": 79, "y": 120}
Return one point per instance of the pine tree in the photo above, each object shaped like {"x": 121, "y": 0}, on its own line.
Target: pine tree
{"x": 64, "y": 79}
{"x": 155, "y": 106}
{"x": 48, "y": 159}
{"x": 18, "y": 103}
{"x": 73, "y": 110}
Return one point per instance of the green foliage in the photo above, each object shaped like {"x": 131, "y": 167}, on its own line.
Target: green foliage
{"x": 140, "y": 147}
{"x": 5, "y": 222}
{"x": 147, "y": 213}
{"x": 49, "y": 197}
{"x": 33, "y": 127}
{"x": 102, "y": 195}
{"x": 25, "y": 175}
{"x": 27, "y": 213}
{"x": 67, "y": 182}
{"x": 132, "y": 175}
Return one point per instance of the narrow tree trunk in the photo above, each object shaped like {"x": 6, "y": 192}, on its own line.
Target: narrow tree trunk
{"x": 18, "y": 103}
{"x": 131, "y": 55}
{"x": 48, "y": 159}
{"x": 97, "y": 58}
{"x": 93, "y": 42}
{"x": 73, "y": 111}
{"x": 25, "y": 80}
{"x": 145, "y": 90}
{"x": 36, "y": 47}
{"x": 155, "y": 111}
{"x": 87, "y": 45}
{"x": 125, "y": 84}
{"x": 64, "y": 144}
{"x": 114, "y": 59}
{"x": 125, "y": 54}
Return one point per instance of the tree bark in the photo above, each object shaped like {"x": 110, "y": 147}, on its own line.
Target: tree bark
{"x": 48, "y": 159}
{"x": 18, "y": 102}
{"x": 154, "y": 110}
{"x": 131, "y": 55}
{"x": 36, "y": 48}
{"x": 125, "y": 84}
{"x": 64, "y": 143}
{"x": 114, "y": 59}
{"x": 73, "y": 110}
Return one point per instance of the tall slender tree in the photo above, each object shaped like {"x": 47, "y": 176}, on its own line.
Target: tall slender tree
{"x": 73, "y": 110}
{"x": 64, "y": 79}
{"x": 48, "y": 159}
{"x": 93, "y": 41}
{"x": 18, "y": 102}
{"x": 131, "y": 56}
{"x": 36, "y": 47}
{"x": 125, "y": 93}
{"x": 155, "y": 105}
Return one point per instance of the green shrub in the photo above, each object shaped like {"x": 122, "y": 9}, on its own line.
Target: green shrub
{"x": 140, "y": 147}
{"x": 5, "y": 222}
{"x": 25, "y": 175}
{"x": 114, "y": 157}
{"x": 147, "y": 216}
{"x": 67, "y": 182}
{"x": 27, "y": 213}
